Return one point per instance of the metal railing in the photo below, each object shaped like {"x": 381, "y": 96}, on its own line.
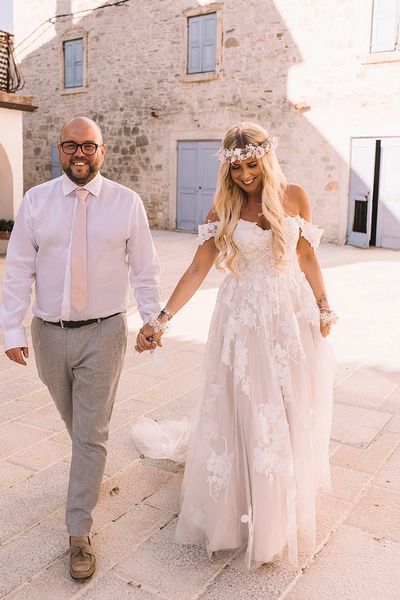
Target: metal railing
{"x": 11, "y": 79}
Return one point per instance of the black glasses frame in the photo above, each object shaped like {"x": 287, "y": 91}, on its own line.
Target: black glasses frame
{"x": 81, "y": 147}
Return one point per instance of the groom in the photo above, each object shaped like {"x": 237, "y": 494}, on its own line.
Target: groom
{"x": 80, "y": 238}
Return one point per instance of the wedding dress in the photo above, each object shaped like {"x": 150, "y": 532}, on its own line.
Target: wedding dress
{"x": 258, "y": 445}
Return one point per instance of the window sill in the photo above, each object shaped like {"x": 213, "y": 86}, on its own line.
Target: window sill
{"x": 381, "y": 57}
{"x": 77, "y": 90}
{"x": 194, "y": 77}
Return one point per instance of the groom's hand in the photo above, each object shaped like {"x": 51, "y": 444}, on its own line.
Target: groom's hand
{"x": 18, "y": 355}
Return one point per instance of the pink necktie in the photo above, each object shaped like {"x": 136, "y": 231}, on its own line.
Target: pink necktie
{"x": 79, "y": 296}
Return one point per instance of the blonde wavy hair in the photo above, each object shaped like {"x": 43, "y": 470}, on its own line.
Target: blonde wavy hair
{"x": 230, "y": 198}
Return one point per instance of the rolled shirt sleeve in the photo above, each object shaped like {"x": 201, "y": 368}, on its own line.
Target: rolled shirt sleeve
{"x": 20, "y": 269}
{"x": 144, "y": 263}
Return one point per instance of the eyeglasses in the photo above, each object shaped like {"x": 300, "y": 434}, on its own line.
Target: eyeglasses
{"x": 88, "y": 148}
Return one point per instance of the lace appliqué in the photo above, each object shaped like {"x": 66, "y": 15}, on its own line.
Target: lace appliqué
{"x": 207, "y": 231}
{"x": 219, "y": 466}
{"x": 271, "y": 432}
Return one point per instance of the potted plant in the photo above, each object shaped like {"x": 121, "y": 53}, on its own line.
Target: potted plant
{"x": 6, "y": 228}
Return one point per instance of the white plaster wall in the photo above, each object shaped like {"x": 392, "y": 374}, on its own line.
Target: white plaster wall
{"x": 11, "y": 192}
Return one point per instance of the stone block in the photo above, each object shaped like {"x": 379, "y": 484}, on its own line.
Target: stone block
{"x": 110, "y": 546}
{"x": 46, "y": 417}
{"x": 41, "y": 455}
{"x": 367, "y": 459}
{"x": 389, "y": 474}
{"x": 25, "y": 504}
{"x": 367, "y": 386}
{"x": 25, "y": 556}
{"x": 16, "y": 436}
{"x": 112, "y": 587}
{"x": 355, "y": 425}
{"x": 176, "y": 571}
{"x": 122, "y": 491}
{"x": 11, "y": 474}
{"x": 354, "y": 565}
{"x": 236, "y": 581}
{"x": 378, "y": 512}
{"x": 168, "y": 496}
{"x": 346, "y": 483}
{"x": 175, "y": 386}
{"x": 18, "y": 388}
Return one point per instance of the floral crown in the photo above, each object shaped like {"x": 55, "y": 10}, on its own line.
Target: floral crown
{"x": 249, "y": 151}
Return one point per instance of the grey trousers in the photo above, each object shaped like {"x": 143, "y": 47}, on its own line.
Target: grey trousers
{"x": 81, "y": 368}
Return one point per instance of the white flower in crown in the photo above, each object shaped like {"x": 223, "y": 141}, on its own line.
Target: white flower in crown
{"x": 250, "y": 151}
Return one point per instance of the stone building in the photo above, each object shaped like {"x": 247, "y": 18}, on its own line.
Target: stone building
{"x": 166, "y": 78}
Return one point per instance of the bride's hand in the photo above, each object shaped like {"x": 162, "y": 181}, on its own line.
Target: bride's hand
{"x": 147, "y": 339}
{"x": 325, "y": 329}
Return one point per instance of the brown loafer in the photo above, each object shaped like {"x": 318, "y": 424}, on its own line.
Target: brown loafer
{"x": 81, "y": 557}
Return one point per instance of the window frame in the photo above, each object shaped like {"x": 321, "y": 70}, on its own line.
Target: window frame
{"x": 77, "y": 34}
{"x": 197, "y": 12}
{"x": 368, "y": 55}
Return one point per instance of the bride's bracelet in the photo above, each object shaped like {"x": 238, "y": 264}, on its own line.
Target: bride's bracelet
{"x": 327, "y": 316}
{"x": 158, "y": 325}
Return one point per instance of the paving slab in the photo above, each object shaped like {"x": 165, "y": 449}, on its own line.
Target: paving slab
{"x": 157, "y": 562}
{"x": 354, "y": 565}
{"x": 367, "y": 459}
{"x": 111, "y": 544}
{"x": 378, "y": 512}
{"x": 16, "y": 436}
{"x": 356, "y": 425}
{"x": 40, "y": 455}
{"x": 368, "y": 386}
{"x": 11, "y": 474}
{"x": 37, "y": 497}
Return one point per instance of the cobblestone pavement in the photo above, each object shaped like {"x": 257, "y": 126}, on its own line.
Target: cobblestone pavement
{"x": 358, "y": 551}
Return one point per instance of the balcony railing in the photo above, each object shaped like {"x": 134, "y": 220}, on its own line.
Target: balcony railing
{"x": 11, "y": 79}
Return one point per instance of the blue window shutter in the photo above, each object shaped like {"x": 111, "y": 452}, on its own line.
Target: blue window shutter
{"x": 73, "y": 63}
{"x": 194, "y": 44}
{"x": 55, "y": 163}
{"x": 78, "y": 58}
{"x": 209, "y": 42}
{"x": 385, "y": 25}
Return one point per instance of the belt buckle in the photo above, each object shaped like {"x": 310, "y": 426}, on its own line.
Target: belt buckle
{"x": 62, "y": 324}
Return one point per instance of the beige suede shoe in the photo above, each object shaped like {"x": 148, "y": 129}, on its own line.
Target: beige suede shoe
{"x": 81, "y": 557}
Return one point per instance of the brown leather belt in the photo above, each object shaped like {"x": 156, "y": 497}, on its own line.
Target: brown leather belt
{"x": 73, "y": 324}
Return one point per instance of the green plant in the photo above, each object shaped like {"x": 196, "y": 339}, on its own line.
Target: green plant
{"x": 6, "y": 225}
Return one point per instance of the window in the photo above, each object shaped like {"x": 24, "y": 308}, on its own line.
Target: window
{"x": 202, "y": 32}
{"x": 385, "y": 26}
{"x": 73, "y": 63}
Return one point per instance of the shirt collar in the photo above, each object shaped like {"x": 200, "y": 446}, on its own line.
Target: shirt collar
{"x": 94, "y": 186}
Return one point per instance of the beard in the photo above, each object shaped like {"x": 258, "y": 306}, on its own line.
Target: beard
{"x": 93, "y": 170}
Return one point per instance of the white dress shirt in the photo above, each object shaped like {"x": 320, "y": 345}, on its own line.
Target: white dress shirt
{"x": 119, "y": 248}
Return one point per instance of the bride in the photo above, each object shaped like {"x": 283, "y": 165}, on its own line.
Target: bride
{"x": 258, "y": 448}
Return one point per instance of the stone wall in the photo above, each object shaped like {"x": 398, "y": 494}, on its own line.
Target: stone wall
{"x": 299, "y": 68}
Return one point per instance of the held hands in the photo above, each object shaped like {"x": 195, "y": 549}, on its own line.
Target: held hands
{"x": 147, "y": 339}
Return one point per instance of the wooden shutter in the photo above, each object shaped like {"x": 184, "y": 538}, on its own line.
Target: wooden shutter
{"x": 209, "y": 42}
{"x": 73, "y": 63}
{"x": 385, "y": 25}
{"x": 56, "y": 170}
{"x": 194, "y": 44}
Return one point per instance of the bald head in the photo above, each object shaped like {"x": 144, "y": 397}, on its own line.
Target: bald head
{"x": 82, "y": 124}
{"x": 88, "y": 150}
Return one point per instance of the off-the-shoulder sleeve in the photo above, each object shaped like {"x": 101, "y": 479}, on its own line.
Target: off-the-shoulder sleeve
{"x": 207, "y": 231}
{"x": 310, "y": 232}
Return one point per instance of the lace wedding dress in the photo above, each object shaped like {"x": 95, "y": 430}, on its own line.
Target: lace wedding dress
{"x": 258, "y": 446}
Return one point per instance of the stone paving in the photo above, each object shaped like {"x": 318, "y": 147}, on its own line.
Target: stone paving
{"x": 358, "y": 550}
